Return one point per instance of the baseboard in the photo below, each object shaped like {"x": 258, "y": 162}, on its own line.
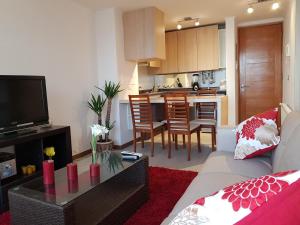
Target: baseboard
{"x": 120, "y": 147}
{"x": 82, "y": 154}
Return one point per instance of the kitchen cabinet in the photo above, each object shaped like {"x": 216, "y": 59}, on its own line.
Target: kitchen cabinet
{"x": 222, "y": 38}
{"x": 144, "y": 34}
{"x": 208, "y": 47}
{"x": 170, "y": 64}
{"x": 187, "y": 50}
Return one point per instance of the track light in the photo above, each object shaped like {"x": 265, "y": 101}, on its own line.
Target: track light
{"x": 179, "y": 26}
{"x": 250, "y": 10}
{"x": 275, "y": 6}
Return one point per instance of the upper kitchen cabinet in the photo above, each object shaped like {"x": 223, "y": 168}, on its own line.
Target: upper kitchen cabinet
{"x": 170, "y": 64}
{"x": 144, "y": 34}
{"x": 187, "y": 50}
{"x": 208, "y": 46}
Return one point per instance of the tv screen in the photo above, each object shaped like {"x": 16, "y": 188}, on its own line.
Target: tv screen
{"x": 23, "y": 102}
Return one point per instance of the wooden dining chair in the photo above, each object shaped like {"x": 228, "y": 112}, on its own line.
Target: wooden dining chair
{"x": 142, "y": 121}
{"x": 206, "y": 114}
{"x": 177, "y": 113}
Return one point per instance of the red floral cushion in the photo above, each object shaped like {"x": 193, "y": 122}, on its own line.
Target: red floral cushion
{"x": 257, "y": 135}
{"x": 240, "y": 201}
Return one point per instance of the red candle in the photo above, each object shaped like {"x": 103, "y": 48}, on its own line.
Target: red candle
{"x": 72, "y": 171}
{"x": 48, "y": 172}
{"x": 95, "y": 170}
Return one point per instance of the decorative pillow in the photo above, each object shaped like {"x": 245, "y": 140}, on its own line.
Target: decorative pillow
{"x": 257, "y": 135}
{"x": 234, "y": 203}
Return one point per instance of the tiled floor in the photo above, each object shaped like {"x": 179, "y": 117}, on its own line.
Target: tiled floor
{"x": 160, "y": 159}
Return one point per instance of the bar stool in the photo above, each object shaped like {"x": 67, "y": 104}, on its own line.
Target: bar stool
{"x": 206, "y": 114}
{"x": 142, "y": 121}
{"x": 177, "y": 113}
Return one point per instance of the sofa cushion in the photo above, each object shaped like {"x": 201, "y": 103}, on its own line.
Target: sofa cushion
{"x": 257, "y": 135}
{"x": 223, "y": 162}
{"x": 240, "y": 200}
{"x": 287, "y": 154}
{"x": 203, "y": 185}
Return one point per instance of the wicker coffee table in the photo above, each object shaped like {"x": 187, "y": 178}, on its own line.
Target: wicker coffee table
{"x": 110, "y": 200}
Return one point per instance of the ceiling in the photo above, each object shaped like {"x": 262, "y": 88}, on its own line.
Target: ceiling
{"x": 209, "y": 11}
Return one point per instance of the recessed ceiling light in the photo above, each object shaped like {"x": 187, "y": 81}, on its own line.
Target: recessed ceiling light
{"x": 250, "y": 10}
{"x": 179, "y": 26}
{"x": 197, "y": 23}
{"x": 275, "y": 5}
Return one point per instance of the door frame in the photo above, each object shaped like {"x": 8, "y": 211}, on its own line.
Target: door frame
{"x": 239, "y": 71}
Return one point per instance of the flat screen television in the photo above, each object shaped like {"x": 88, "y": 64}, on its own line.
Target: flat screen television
{"x": 23, "y": 102}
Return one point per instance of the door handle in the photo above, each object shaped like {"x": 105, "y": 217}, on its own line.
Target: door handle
{"x": 244, "y": 86}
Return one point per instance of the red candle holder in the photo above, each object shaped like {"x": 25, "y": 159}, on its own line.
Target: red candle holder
{"x": 72, "y": 172}
{"x": 48, "y": 172}
{"x": 95, "y": 170}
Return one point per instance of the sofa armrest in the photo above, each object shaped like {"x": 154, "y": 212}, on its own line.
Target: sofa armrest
{"x": 226, "y": 139}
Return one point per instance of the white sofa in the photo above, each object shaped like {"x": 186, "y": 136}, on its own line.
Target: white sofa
{"x": 221, "y": 170}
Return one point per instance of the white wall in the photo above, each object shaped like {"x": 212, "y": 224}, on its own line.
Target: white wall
{"x": 291, "y": 57}
{"x": 112, "y": 66}
{"x": 231, "y": 73}
{"x": 55, "y": 38}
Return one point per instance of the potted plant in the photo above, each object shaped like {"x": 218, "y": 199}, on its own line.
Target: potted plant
{"x": 114, "y": 159}
{"x": 97, "y": 104}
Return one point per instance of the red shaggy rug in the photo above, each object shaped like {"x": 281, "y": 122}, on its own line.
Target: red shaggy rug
{"x": 166, "y": 188}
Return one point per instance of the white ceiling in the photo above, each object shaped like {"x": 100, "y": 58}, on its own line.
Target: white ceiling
{"x": 209, "y": 11}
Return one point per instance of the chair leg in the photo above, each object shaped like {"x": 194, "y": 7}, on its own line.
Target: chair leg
{"x": 213, "y": 138}
{"x": 152, "y": 144}
{"x": 169, "y": 145}
{"x": 173, "y": 137}
{"x": 189, "y": 147}
{"x": 183, "y": 140}
{"x": 134, "y": 141}
{"x": 163, "y": 137}
{"x": 142, "y": 139}
{"x": 176, "y": 141}
{"x": 198, "y": 140}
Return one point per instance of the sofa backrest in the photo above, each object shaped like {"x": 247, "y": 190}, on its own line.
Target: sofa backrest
{"x": 287, "y": 154}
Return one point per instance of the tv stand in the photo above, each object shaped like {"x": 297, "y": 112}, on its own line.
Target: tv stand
{"x": 19, "y": 132}
{"x": 29, "y": 146}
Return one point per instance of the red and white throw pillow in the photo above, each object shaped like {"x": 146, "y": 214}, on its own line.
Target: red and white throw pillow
{"x": 238, "y": 202}
{"x": 257, "y": 135}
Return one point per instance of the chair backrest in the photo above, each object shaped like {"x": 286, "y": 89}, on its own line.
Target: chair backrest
{"x": 206, "y": 91}
{"x": 206, "y": 110}
{"x": 177, "y": 112}
{"x": 141, "y": 112}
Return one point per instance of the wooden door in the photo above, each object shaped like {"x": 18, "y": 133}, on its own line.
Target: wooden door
{"x": 187, "y": 50}
{"x": 208, "y": 48}
{"x": 260, "y": 69}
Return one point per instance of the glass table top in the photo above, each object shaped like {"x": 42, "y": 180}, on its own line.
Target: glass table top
{"x": 65, "y": 191}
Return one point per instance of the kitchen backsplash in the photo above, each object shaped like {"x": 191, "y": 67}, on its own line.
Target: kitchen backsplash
{"x": 206, "y": 79}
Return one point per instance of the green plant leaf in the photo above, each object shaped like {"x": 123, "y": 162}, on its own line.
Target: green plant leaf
{"x": 96, "y": 104}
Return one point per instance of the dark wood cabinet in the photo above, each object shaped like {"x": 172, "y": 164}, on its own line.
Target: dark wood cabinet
{"x": 28, "y": 150}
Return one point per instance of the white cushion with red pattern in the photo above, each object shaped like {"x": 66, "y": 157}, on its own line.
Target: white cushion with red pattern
{"x": 257, "y": 135}
{"x": 232, "y": 204}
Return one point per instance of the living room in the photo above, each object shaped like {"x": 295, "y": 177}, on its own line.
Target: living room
{"x": 234, "y": 59}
